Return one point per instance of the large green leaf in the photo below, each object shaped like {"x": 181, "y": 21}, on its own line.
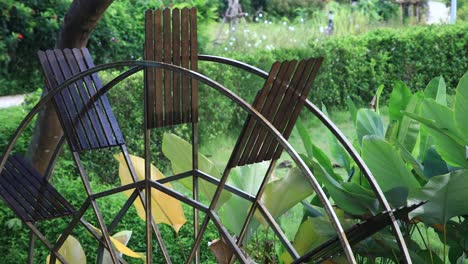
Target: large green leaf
{"x": 409, "y": 128}
{"x": 451, "y": 151}
{"x": 368, "y": 123}
{"x": 461, "y": 107}
{"x": 179, "y": 152}
{"x": 436, "y": 89}
{"x": 247, "y": 178}
{"x": 352, "y": 109}
{"x": 448, "y": 144}
{"x": 305, "y": 137}
{"x": 336, "y": 149}
{"x": 378, "y": 93}
{"x": 446, "y": 195}
{"x": 434, "y": 164}
{"x": 281, "y": 195}
{"x": 411, "y": 160}
{"x": 399, "y": 99}
{"x": 313, "y": 232}
{"x": 442, "y": 116}
{"x": 386, "y": 164}
{"x": 350, "y": 197}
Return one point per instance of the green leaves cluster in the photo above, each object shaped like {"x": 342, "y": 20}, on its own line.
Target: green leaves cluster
{"x": 416, "y": 154}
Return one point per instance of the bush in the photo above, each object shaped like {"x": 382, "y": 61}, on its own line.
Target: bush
{"x": 30, "y": 26}
{"x": 26, "y": 27}
{"x": 355, "y": 66}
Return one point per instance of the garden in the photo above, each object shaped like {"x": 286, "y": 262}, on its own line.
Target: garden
{"x": 396, "y": 88}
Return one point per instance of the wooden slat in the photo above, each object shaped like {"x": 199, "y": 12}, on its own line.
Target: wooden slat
{"x": 175, "y": 41}
{"x": 194, "y": 63}
{"x": 250, "y": 123}
{"x": 31, "y": 173}
{"x": 28, "y": 194}
{"x": 259, "y": 132}
{"x": 50, "y": 83}
{"x": 149, "y": 71}
{"x": 64, "y": 102}
{"x": 315, "y": 68}
{"x": 177, "y": 116}
{"x": 285, "y": 109}
{"x": 158, "y": 47}
{"x": 95, "y": 103}
{"x": 185, "y": 44}
{"x": 20, "y": 202}
{"x": 273, "y": 112}
{"x": 12, "y": 202}
{"x": 167, "y": 42}
{"x": 23, "y": 189}
{"x": 87, "y": 120}
{"x": 117, "y": 138}
{"x": 81, "y": 122}
{"x": 280, "y": 102}
{"x": 87, "y": 108}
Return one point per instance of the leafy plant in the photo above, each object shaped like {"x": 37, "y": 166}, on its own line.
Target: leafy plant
{"x": 73, "y": 252}
{"x": 164, "y": 208}
{"x": 418, "y": 156}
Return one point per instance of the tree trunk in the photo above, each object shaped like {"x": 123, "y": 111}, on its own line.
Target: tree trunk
{"x": 82, "y": 17}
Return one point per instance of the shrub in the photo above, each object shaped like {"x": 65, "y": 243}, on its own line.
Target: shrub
{"x": 355, "y": 66}
{"x": 26, "y": 27}
{"x": 30, "y": 26}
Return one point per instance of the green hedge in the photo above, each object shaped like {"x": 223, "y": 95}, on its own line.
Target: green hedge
{"x": 355, "y": 66}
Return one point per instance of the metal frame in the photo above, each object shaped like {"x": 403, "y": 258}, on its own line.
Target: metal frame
{"x": 341, "y": 138}
{"x": 138, "y": 65}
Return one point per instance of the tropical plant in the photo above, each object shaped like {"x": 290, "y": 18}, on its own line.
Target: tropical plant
{"x": 73, "y": 252}
{"x": 418, "y": 155}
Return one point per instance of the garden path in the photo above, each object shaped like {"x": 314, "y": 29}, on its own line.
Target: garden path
{"x": 11, "y": 100}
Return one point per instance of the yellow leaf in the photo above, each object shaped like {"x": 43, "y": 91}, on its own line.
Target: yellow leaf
{"x": 123, "y": 237}
{"x": 71, "y": 251}
{"x": 164, "y": 208}
{"x": 121, "y": 247}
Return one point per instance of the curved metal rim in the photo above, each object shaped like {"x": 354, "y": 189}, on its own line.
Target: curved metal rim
{"x": 339, "y": 135}
{"x": 226, "y": 92}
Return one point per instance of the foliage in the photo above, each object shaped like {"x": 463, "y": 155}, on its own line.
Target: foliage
{"x": 355, "y": 66}
{"x": 26, "y": 27}
{"x": 72, "y": 251}
{"x": 165, "y": 208}
{"x": 412, "y": 160}
{"x": 30, "y": 26}
{"x": 290, "y": 8}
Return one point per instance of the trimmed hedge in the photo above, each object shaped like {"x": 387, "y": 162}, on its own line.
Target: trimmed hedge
{"x": 355, "y": 66}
